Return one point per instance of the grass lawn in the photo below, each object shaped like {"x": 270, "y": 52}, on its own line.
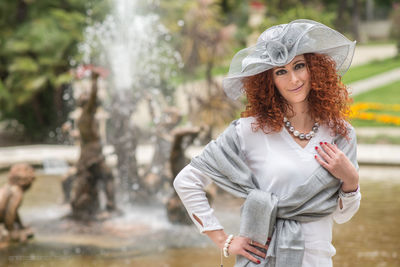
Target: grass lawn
{"x": 378, "y": 139}
{"x": 370, "y": 69}
{"x": 388, "y": 94}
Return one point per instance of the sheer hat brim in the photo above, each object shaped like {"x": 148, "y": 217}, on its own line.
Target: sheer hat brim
{"x": 278, "y": 45}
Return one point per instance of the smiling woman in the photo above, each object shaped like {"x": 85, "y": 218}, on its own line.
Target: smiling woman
{"x": 292, "y": 155}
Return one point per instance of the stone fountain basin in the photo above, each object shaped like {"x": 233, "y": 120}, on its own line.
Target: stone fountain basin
{"x": 143, "y": 237}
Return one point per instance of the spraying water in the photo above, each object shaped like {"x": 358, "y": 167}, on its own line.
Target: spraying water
{"x": 134, "y": 46}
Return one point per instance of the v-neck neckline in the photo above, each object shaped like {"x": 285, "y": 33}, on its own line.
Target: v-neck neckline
{"x": 294, "y": 144}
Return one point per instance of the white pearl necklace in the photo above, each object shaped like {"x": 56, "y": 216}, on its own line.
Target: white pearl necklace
{"x": 302, "y": 136}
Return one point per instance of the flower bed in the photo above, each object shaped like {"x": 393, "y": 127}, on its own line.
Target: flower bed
{"x": 373, "y": 112}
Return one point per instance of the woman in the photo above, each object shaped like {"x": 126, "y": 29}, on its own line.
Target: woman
{"x": 292, "y": 155}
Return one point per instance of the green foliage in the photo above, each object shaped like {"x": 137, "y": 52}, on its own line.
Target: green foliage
{"x": 38, "y": 39}
{"x": 197, "y": 27}
{"x": 370, "y": 69}
{"x": 298, "y": 11}
{"x": 395, "y": 31}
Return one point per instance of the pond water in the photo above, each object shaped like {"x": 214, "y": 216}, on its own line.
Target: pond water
{"x": 143, "y": 237}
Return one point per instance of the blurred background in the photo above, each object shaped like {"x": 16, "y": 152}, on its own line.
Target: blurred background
{"x": 108, "y": 99}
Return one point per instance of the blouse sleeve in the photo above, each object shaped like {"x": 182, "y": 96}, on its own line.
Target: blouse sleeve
{"x": 350, "y": 201}
{"x": 190, "y": 184}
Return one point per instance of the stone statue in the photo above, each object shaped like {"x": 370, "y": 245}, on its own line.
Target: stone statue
{"x": 159, "y": 174}
{"x": 182, "y": 139}
{"x": 20, "y": 179}
{"x": 91, "y": 168}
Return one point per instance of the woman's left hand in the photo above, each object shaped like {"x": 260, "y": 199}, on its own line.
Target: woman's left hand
{"x": 338, "y": 164}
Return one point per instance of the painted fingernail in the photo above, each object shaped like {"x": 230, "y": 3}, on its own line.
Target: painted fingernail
{"x": 315, "y": 156}
{"x": 320, "y": 143}
{"x": 316, "y": 147}
{"x": 325, "y": 143}
{"x": 258, "y": 262}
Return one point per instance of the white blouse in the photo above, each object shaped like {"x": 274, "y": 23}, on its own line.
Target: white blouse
{"x": 280, "y": 165}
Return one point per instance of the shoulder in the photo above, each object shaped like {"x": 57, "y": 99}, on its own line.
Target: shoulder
{"x": 351, "y": 132}
{"x": 244, "y": 126}
{"x": 250, "y": 125}
{"x": 349, "y": 127}
{"x": 247, "y": 132}
{"x": 349, "y": 139}
{"x": 246, "y": 121}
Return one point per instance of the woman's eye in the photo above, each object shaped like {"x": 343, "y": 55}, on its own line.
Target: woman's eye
{"x": 299, "y": 66}
{"x": 280, "y": 72}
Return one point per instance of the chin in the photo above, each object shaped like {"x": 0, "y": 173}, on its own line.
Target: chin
{"x": 297, "y": 100}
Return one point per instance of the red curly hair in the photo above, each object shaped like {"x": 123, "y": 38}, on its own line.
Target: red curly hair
{"x": 329, "y": 101}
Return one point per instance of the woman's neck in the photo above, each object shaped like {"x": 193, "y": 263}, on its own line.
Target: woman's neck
{"x": 300, "y": 117}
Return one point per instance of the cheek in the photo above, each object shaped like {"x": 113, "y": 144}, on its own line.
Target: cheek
{"x": 279, "y": 84}
{"x": 306, "y": 75}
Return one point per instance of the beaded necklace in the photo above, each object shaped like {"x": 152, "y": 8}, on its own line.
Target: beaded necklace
{"x": 301, "y": 136}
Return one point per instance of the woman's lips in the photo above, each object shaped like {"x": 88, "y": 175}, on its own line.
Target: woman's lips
{"x": 296, "y": 89}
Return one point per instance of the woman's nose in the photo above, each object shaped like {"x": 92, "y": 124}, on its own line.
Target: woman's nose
{"x": 294, "y": 77}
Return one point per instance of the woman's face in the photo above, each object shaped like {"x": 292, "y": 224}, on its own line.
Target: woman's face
{"x": 293, "y": 80}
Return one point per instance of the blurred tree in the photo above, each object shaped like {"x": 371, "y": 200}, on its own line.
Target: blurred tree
{"x": 206, "y": 38}
{"x": 314, "y": 11}
{"x": 207, "y": 41}
{"x": 236, "y": 12}
{"x": 395, "y": 31}
{"x": 345, "y": 15}
{"x": 279, "y": 12}
{"x": 342, "y": 16}
{"x": 355, "y": 15}
{"x": 38, "y": 43}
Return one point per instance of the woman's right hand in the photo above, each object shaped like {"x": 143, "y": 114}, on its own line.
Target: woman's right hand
{"x": 239, "y": 245}
{"x": 243, "y": 246}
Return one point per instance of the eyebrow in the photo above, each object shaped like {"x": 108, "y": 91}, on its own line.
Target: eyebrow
{"x": 297, "y": 61}
{"x": 294, "y": 63}
{"x": 277, "y": 68}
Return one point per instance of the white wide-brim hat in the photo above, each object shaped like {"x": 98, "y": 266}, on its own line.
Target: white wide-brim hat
{"x": 278, "y": 45}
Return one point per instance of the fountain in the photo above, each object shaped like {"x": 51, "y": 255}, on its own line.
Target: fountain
{"x": 135, "y": 46}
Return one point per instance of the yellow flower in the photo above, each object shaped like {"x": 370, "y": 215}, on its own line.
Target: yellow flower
{"x": 359, "y": 111}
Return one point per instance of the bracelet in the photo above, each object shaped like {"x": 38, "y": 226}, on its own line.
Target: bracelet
{"x": 226, "y": 245}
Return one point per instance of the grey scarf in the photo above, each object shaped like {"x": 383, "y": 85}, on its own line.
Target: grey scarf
{"x": 263, "y": 213}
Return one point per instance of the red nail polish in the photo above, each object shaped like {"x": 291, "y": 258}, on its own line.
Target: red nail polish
{"x": 320, "y": 143}
{"x": 315, "y": 156}
{"x": 325, "y": 143}
{"x": 316, "y": 147}
{"x": 258, "y": 262}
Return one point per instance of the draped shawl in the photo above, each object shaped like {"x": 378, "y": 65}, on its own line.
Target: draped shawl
{"x": 263, "y": 213}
